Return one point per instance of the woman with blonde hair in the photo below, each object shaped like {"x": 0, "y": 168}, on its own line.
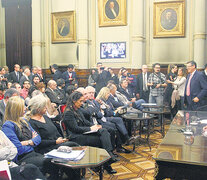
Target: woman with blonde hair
{"x": 179, "y": 88}
{"x": 24, "y": 137}
{"x": 111, "y": 113}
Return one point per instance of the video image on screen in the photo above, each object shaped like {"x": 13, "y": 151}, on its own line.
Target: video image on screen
{"x": 113, "y": 50}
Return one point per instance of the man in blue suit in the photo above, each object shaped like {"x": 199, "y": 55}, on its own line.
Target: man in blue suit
{"x": 70, "y": 77}
{"x": 196, "y": 87}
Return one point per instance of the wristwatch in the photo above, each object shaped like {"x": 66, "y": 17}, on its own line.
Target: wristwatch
{"x": 30, "y": 142}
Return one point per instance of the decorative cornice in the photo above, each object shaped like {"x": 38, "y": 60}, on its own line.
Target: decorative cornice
{"x": 138, "y": 38}
{"x": 199, "y": 36}
{"x": 41, "y": 44}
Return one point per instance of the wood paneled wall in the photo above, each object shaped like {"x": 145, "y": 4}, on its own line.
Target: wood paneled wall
{"x": 83, "y": 74}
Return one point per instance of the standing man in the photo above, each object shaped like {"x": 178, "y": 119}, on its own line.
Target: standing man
{"x": 70, "y": 77}
{"x": 195, "y": 88}
{"x": 16, "y": 75}
{"x": 56, "y": 73}
{"x": 157, "y": 84}
{"x": 101, "y": 76}
{"x": 142, "y": 90}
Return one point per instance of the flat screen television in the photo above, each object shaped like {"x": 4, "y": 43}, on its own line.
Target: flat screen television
{"x": 113, "y": 50}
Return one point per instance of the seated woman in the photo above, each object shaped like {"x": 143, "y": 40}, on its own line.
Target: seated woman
{"x": 51, "y": 139}
{"x": 23, "y": 172}
{"x": 76, "y": 125}
{"x": 110, "y": 112}
{"x": 24, "y": 137}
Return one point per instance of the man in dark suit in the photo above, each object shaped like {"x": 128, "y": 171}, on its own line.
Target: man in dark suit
{"x": 51, "y": 92}
{"x": 56, "y": 73}
{"x": 16, "y": 75}
{"x": 9, "y": 93}
{"x": 25, "y": 76}
{"x": 123, "y": 89}
{"x": 205, "y": 71}
{"x": 70, "y": 77}
{"x": 142, "y": 90}
{"x": 196, "y": 87}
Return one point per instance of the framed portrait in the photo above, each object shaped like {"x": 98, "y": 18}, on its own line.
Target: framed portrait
{"x": 169, "y": 19}
{"x": 63, "y": 27}
{"x": 112, "y": 13}
{"x": 171, "y": 152}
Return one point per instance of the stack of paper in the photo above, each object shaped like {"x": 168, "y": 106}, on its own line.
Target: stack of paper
{"x": 74, "y": 155}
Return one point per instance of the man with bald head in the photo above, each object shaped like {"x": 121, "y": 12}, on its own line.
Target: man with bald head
{"x": 142, "y": 91}
{"x": 51, "y": 92}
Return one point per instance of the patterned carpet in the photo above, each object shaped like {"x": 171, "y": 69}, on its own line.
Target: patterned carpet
{"x": 138, "y": 165}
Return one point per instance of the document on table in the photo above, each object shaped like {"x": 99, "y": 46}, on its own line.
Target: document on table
{"x": 74, "y": 155}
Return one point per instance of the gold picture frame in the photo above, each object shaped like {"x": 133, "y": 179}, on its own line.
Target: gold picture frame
{"x": 173, "y": 152}
{"x": 112, "y": 13}
{"x": 63, "y": 27}
{"x": 169, "y": 19}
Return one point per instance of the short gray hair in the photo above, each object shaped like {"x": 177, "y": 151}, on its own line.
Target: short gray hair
{"x": 10, "y": 92}
{"x": 36, "y": 104}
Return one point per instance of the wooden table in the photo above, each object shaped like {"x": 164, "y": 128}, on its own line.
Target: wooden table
{"x": 183, "y": 152}
{"x": 94, "y": 157}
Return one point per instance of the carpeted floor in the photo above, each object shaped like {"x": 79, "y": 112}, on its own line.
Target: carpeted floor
{"x": 137, "y": 165}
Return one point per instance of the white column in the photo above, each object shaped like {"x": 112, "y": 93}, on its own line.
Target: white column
{"x": 2, "y": 35}
{"x": 92, "y": 33}
{"x": 138, "y": 39}
{"x": 46, "y": 23}
{"x": 82, "y": 33}
{"x": 200, "y": 33}
{"x": 36, "y": 33}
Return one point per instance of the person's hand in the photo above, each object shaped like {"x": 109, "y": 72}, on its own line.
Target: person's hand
{"x": 34, "y": 134}
{"x": 60, "y": 140}
{"x": 95, "y": 127}
{"x": 70, "y": 79}
{"x": 24, "y": 143}
{"x": 168, "y": 81}
{"x": 149, "y": 84}
{"x": 158, "y": 86}
{"x": 195, "y": 100}
{"x": 133, "y": 99}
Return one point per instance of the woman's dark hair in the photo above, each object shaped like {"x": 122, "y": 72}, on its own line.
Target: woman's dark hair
{"x": 75, "y": 96}
{"x": 70, "y": 89}
{"x": 60, "y": 82}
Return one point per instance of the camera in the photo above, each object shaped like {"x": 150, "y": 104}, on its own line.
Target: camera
{"x": 101, "y": 68}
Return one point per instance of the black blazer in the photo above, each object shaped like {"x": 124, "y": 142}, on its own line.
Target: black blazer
{"x": 76, "y": 124}
{"x": 13, "y": 78}
{"x": 139, "y": 88}
{"x": 57, "y": 75}
{"x": 53, "y": 96}
{"x": 23, "y": 78}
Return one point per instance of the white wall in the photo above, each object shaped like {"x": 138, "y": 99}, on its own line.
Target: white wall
{"x": 138, "y": 36}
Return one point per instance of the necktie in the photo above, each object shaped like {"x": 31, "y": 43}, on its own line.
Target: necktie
{"x": 144, "y": 82}
{"x": 188, "y": 86}
{"x": 17, "y": 76}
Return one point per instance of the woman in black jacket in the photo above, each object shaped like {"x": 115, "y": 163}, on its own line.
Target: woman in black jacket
{"x": 76, "y": 125}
